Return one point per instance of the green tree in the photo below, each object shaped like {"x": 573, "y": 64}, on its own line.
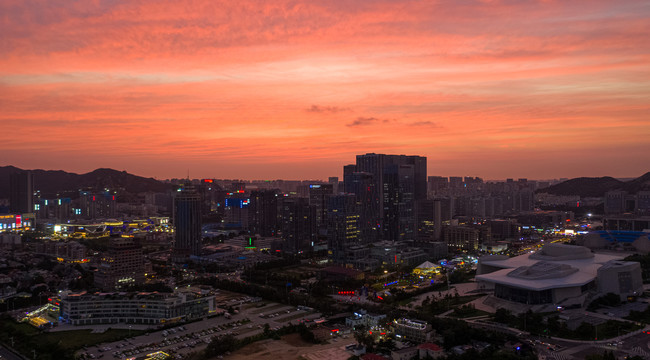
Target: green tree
{"x": 221, "y": 345}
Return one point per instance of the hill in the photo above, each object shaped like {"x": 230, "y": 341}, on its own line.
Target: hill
{"x": 641, "y": 183}
{"x": 51, "y": 182}
{"x": 596, "y": 187}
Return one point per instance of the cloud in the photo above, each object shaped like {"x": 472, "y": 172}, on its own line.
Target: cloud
{"x": 425, "y": 123}
{"x": 326, "y": 109}
{"x": 362, "y": 121}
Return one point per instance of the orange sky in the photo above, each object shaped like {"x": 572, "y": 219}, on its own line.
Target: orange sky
{"x": 295, "y": 89}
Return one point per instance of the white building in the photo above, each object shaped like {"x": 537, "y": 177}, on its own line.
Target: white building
{"x": 134, "y": 308}
{"x": 558, "y": 275}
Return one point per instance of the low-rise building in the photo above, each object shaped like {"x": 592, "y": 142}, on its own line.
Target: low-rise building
{"x": 363, "y": 318}
{"x": 407, "y": 353}
{"x": 135, "y": 308}
{"x": 430, "y": 350}
{"x": 412, "y": 330}
{"x": 558, "y": 275}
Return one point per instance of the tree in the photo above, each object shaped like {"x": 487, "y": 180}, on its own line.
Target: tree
{"x": 502, "y": 316}
{"x": 221, "y": 345}
{"x": 364, "y": 338}
{"x": 306, "y": 334}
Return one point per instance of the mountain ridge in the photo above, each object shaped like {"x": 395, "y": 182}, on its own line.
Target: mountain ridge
{"x": 598, "y": 186}
{"x": 51, "y": 182}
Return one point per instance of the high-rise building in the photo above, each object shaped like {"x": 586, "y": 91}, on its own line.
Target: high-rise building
{"x": 428, "y": 216}
{"x": 21, "y": 196}
{"x": 236, "y": 214}
{"x": 343, "y": 230}
{"x": 187, "y": 223}
{"x": 318, "y": 200}
{"x": 437, "y": 183}
{"x": 399, "y": 181}
{"x": 296, "y": 224}
{"x": 461, "y": 238}
{"x": 263, "y": 213}
{"x": 334, "y": 180}
{"x": 121, "y": 266}
{"x": 97, "y": 204}
{"x": 455, "y": 182}
{"x": 362, "y": 185}
{"x": 212, "y": 197}
{"x": 615, "y": 202}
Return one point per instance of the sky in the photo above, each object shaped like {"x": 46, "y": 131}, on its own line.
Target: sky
{"x": 295, "y": 89}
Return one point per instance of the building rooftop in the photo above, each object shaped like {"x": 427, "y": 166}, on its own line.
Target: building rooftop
{"x": 430, "y": 346}
{"x": 561, "y": 266}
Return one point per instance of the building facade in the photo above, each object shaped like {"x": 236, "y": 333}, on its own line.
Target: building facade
{"x": 187, "y": 223}
{"x": 134, "y": 308}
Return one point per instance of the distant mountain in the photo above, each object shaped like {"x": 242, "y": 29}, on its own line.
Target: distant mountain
{"x": 596, "y": 187}
{"x": 51, "y": 182}
{"x": 642, "y": 183}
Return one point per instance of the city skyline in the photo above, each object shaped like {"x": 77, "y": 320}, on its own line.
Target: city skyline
{"x": 295, "y": 90}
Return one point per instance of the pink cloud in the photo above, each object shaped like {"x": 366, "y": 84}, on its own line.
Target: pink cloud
{"x": 282, "y": 83}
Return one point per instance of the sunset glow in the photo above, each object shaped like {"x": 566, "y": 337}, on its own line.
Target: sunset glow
{"x": 295, "y": 89}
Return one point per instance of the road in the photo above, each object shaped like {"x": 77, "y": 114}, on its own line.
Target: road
{"x": 8, "y": 354}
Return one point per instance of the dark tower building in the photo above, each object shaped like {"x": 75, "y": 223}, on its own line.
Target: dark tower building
{"x": 263, "y": 212}
{"x": 213, "y": 197}
{"x": 399, "y": 181}
{"x": 187, "y": 221}
{"x": 428, "y": 219}
{"x": 343, "y": 228}
{"x": 21, "y": 197}
{"x": 122, "y": 265}
{"x": 318, "y": 199}
{"x": 362, "y": 185}
{"x": 296, "y": 224}
{"x": 97, "y": 204}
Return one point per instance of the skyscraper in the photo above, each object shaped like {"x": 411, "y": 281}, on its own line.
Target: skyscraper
{"x": 399, "y": 181}
{"x": 343, "y": 228}
{"x": 296, "y": 224}
{"x": 263, "y": 212}
{"x": 318, "y": 199}
{"x": 362, "y": 185}
{"x": 187, "y": 221}
{"x": 21, "y": 197}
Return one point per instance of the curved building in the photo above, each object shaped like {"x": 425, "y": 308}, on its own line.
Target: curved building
{"x": 558, "y": 275}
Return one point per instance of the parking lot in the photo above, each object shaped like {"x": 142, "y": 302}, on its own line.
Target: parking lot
{"x": 192, "y": 337}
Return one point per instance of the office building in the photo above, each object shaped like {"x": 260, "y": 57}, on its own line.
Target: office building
{"x": 362, "y": 185}
{"x": 318, "y": 200}
{"x": 461, "y": 238}
{"x": 263, "y": 213}
{"x": 334, "y": 180}
{"x": 428, "y": 214}
{"x": 21, "y": 192}
{"x": 121, "y": 266}
{"x": 399, "y": 181}
{"x": 187, "y": 223}
{"x": 134, "y": 308}
{"x": 97, "y": 204}
{"x": 343, "y": 231}
{"x": 296, "y": 224}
